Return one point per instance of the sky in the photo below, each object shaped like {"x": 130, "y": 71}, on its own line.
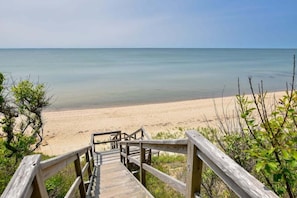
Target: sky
{"x": 148, "y": 23}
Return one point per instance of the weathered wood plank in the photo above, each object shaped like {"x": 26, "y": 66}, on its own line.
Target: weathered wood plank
{"x": 88, "y": 162}
{"x": 85, "y": 168}
{"x": 58, "y": 165}
{"x": 107, "y": 141}
{"x": 172, "y": 142}
{"x": 236, "y": 177}
{"x": 171, "y": 181}
{"x": 55, "y": 160}
{"x": 134, "y": 160}
{"x": 142, "y": 172}
{"x": 39, "y": 189}
{"x": 174, "y": 148}
{"x": 146, "y": 134}
{"x": 194, "y": 171}
{"x": 176, "y": 145}
{"x": 73, "y": 188}
{"x": 78, "y": 171}
{"x": 51, "y": 166}
{"x": 106, "y": 133}
{"x": 21, "y": 182}
{"x": 114, "y": 180}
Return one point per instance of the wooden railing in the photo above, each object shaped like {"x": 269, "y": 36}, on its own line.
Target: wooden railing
{"x": 29, "y": 179}
{"x": 198, "y": 150}
{"x": 143, "y": 161}
{"x": 114, "y": 137}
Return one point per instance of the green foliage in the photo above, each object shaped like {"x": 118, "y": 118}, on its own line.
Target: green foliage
{"x": 21, "y": 105}
{"x": 29, "y": 97}
{"x": 58, "y": 185}
{"x": 21, "y": 124}
{"x": 265, "y": 140}
{"x": 7, "y": 167}
{"x": 170, "y": 134}
{"x": 273, "y": 141}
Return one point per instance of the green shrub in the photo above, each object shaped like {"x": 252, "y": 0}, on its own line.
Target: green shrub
{"x": 266, "y": 142}
{"x": 59, "y": 184}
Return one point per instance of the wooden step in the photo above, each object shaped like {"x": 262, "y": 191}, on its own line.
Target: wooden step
{"x": 114, "y": 180}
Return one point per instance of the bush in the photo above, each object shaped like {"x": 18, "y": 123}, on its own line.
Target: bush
{"x": 266, "y": 142}
{"x": 21, "y": 105}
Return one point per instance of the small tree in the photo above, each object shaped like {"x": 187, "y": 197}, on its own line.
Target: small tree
{"x": 20, "y": 111}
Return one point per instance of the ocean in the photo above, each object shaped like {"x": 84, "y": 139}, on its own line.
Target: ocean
{"x": 96, "y": 78}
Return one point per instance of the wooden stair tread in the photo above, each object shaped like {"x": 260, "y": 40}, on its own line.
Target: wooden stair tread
{"x": 114, "y": 180}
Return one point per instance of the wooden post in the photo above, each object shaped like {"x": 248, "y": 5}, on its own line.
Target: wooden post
{"x": 149, "y": 157}
{"x": 82, "y": 189}
{"x": 142, "y": 160}
{"x": 127, "y": 156}
{"x": 194, "y": 171}
{"x": 121, "y": 150}
{"x": 92, "y": 157}
{"x": 20, "y": 184}
{"x": 39, "y": 189}
{"x": 88, "y": 161}
{"x": 119, "y": 139}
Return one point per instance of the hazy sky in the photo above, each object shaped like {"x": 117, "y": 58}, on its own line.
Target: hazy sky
{"x": 148, "y": 23}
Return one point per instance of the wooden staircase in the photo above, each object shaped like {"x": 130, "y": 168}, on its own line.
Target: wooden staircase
{"x": 108, "y": 165}
{"x": 113, "y": 179}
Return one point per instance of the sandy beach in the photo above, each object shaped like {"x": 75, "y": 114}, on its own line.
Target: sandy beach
{"x": 65, "y": 131}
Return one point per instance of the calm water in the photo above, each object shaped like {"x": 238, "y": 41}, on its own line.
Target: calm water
{"x": 85, "y": 78}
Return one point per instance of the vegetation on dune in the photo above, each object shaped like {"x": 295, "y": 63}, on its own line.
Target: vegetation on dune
{"x": 21, "y": 123}
{"x": 263, "y": 140}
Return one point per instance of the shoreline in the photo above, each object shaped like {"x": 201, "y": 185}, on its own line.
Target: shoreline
{"x": 90, "y": 107}
{"x": 67, "y": 130}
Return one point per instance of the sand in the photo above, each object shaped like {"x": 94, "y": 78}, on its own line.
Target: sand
{"x": 65, "y": 131}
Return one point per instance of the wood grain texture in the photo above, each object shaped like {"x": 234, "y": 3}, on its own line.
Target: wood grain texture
{"x": 171, "y": 181}
{"x": 236, "y": 177}
{"x": 21, "y": 182}
{"x": 194, "y": 171}
{"x": 114, "y": 180}
{"x": 73, "y": 188}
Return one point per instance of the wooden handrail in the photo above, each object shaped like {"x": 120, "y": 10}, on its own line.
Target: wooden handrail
{"x": 199, "y": 150}
{"x": 22, "y": 182}
{"x": 236, "y": 177}
{"x": 175, "y": 146}
{"x": 29, "y": 179}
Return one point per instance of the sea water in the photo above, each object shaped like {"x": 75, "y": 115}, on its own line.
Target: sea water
{"x": 95, "y": 78}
